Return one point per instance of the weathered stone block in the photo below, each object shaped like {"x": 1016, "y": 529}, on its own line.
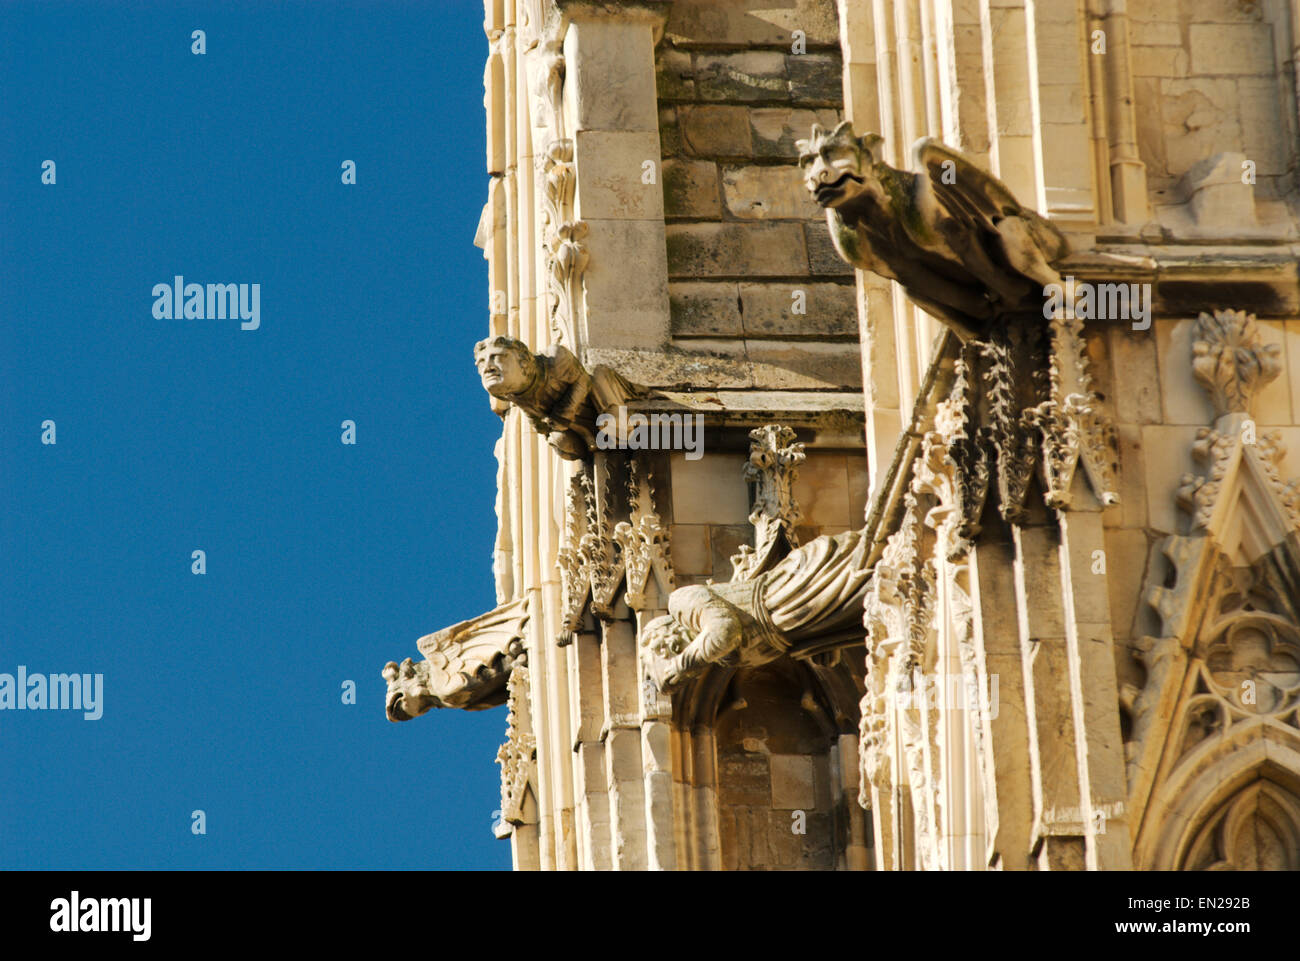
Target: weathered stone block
{"x": 823, "y": 259}
{"x": 822, "y": 491}
{"x": 804, "y": 365}
{"x": 1126, "y": 561}
{"x": 859, "y": 487}
{"x": 690, "y": 550}
{"x": 767, "y": 193}
{"x": 752, "y": 75}
{"x": 1167, "y": 456}
{"x": 610, "y": 175}
{"x": 1159, "y": 62}
{"x": 626, "y": 285}
{"x": 815, "y": 78}
{"x": 691, "y": 189}
{"x": 1231, "y": 49}
{"x": 714, "y": 22}
{"x": 674, "y": 77}
{"x": 1135, "y": 379}
{"x": 736, "y": 250}
{"x": 705, "y": 310}
{"x": 1266, "y": 140}
{"x": 775, "y": 130}
{"x": 716, "y": 131}
{"x": 607, "y": 81}
{"x": 670, "y": 134}
{"x": 1200, "y": 116}
{"x": 710, "y": 490}
{"x": 769, "y": 310}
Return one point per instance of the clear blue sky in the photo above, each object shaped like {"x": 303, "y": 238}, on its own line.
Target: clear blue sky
{"x": 222, "y": 692}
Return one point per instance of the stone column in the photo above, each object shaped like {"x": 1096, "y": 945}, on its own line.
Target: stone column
{"x": 1094, "y": 689}
{"x": 1010, "y": 68}
{"x": 868, "y": 110}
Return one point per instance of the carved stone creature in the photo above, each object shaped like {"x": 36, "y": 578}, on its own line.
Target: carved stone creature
{"x": 553, "y": 390}
{"x": 466, "y": 665}
{"x": 953, "y": 235}
{"x": 808, "y": 602}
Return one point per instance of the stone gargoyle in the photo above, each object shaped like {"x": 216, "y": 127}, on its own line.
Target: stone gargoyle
{"x": 555, "y": 392}
{"x": 466, "y": 665}
{"x": 808, "y": 602}
{"x": 961, "y": 245}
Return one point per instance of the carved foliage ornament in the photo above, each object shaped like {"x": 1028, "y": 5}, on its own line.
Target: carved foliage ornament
{"x": 1232, "y": 362}
{"x": 600, "y": 556}
{"x": 562, "y": 233}
{"x": 771, "y": 471}
{"x": 518, "y": 755}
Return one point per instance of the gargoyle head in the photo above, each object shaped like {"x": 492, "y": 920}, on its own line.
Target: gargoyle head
{"x": 506, "y": 366}
{"x": 664, "y": 638}
{"x": 838, "y": 166}
{"x": 408, "y": 690}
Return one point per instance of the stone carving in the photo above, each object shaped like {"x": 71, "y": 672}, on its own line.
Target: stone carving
{"x": 643, "y": 542}
{"x": 953, "y": 467}
{"x": 1232, "y": 363}
{"x": 562, "y": 233}
{"x": 553, "y": 390}
{"x": 898, "y": 614}
{"x": 1257, "y": 829}
{"x": 599, "y": 556}
{"x": 1073, "y": 430}
{"x": 967, "y": 252}
{"x": 773, "y": 466}
{"x": 518, "y": 755}
{"x": 953, "y": 235}
{"x": 1227, "y": 662}
{"x": 466, "y": 665}
{"x": 591, "y": 566}
{"x": 1230, "y": 360}
{"x": 808, "y": 602}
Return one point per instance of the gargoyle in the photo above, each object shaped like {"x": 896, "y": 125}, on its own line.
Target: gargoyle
{"x": 808, "y": 602}
{"x": 553, "y": 390}
{"x": 953, "y": 235}
{"x": 467, "y": 665}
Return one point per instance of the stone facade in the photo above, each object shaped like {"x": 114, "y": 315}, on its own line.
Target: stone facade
{"x": 952, "y": 526}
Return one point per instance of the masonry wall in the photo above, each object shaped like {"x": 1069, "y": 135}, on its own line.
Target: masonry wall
{"x": 752, "y": 273}
{"x": 1213, "y": 77}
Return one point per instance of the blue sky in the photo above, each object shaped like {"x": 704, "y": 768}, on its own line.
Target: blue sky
{"x": 222, "y": 692}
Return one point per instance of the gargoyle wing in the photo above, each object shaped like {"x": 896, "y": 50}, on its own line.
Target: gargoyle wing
{"x": 466, "y": 665}
{"x": 973, "y": 204}
{"x": 968, "y": 193}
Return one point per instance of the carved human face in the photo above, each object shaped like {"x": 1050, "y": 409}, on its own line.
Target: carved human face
{"x": 501, "y": 371}
{"x": 835, "y": 166}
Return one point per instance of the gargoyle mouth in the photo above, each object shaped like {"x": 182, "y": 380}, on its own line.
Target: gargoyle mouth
{"x": 827, "y": 192}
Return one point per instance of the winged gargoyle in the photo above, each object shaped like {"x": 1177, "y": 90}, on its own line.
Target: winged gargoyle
{"x": 961, "y": 245}
{"x": 553, "y": 390}
{"x": 466, "y": 665}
